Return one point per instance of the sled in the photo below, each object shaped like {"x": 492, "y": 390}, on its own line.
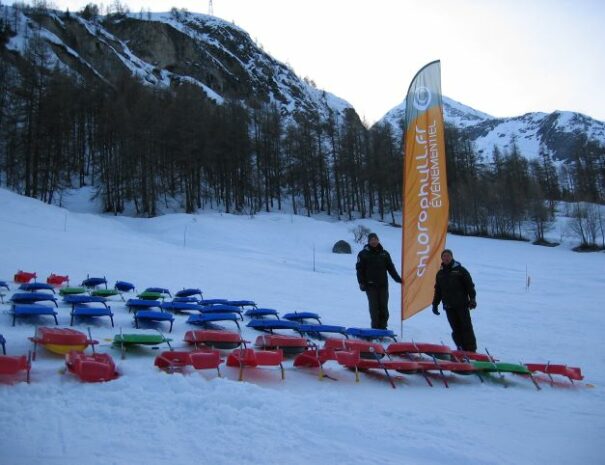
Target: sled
{"x": 366, "y": 349}
{"x": 318, "y": 331}
{"x": 60, "y": 340}
{"x": 72, "y": 290}
{"x": 219, "y": 339}
{"x": 153, "y": 316}
{"x": 352, "y": 359}
{"x": 260, "y": 313}
{"x": 34, "y": 287}
{"x": 209, "y": 302}
{"x": 141, "y": 304}
{"x": 93, "y": 368}
{"x": 176, "y": 361}
{"x": 12, "y": 365}
{"x": 223, "y": 308}
{"x": 301, "y": 317}
{"x": 241, "y": 303}
{"x": 84, "y": 311}
{"x": 33, "y": 297}
{"x": 270, "y": 325}
{"x": 250, "y": 358}
{"x": 186, "y": 300}
{"x": 4, "y": 284}
{"x": 571, "y": 373}
{"x": 94, "y": 282}
{"x": 57, "y": 279}
{"x": 3, "y": 344}
{"x": 74, "y": 300}
{"x": 131, "y": 339}
{"x": 106, "y": 293}
{"x": 150, "y": 295}
{"x": 189, "y": 293}
{"x": 24, "y": 276}
{"x": 207, "y": 320}
{"x": 370, "y": 334}
{"x": 25, "y": 310}
{"x": 124, "y": 286}
{"x": 290, "y": 345}
{"x": 432, "y": 357}
{"x": 161, "y": 290}
{"x": 181, "y": 307}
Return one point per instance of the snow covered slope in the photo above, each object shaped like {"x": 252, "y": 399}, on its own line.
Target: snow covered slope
{"x": 147, "y": 416}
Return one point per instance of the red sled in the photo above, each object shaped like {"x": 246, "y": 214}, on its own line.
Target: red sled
{"x": 61, "y": 340}
{"x": 93, "y": 368}
{"x": 572, "y": 373}
{"x": 11, "y": 365}
{"x": 24, "y": 276}
{"x": 366, "y": 349}
{"x": 57, "y": 280}
{"x": 251, "y": 358}
{"x": 213, "y": 338}
{"x": 290, "y": 345}
{"x": 173, "y": 361}
{"x": 353, "y": 360}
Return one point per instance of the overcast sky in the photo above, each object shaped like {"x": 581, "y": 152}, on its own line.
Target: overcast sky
{"x": 504, "y": 58}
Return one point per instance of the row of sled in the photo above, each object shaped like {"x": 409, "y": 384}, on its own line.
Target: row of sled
{"x": 206, "y": 350}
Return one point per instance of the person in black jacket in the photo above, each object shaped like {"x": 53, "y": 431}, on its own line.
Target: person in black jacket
{"x": 454, "y": 287}
{"x": 373, "y": 263}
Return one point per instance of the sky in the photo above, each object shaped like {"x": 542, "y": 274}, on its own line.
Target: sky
{"x": 504, "y": 58}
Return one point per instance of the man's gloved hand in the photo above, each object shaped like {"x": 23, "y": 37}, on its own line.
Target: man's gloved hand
{"x": 472, "y": 304}
{"x": 436, "y": 309}
{"x": 362, "y": 287}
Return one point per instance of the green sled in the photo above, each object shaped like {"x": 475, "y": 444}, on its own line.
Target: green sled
{"x": 72, "y": 290}
{"x": 501, "y": 367}
{"x": 142, "y": 339}
{"x": 105, "y": 292}
{"x": 150, "y": 295}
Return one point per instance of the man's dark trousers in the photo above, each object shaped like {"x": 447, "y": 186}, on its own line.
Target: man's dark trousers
{"x": 378, "y": 299}
{"x": 462, "y": 328}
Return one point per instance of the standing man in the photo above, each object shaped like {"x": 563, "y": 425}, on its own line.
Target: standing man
{"x": 454, "y": 287}
{"x": 373, "y": 262}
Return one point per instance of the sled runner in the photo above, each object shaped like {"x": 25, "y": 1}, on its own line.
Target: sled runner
{"x": 153, "y": 316}
{"x": 12, "y": 365}
{"x": 133, "y": 339}
{"x": 57, "y": 279}
{"x": 34, "y": 287}
{"x": 26, "y": 310}
{"x": 219, "y": 339}
{"x": 371, "y": 334}
{"x": 189, "y": 293}
{"x": 33, "y": 297}
{"x": 250, "y": 358}
{"x": 301, "y": 317}
{"x": 93, "y": 368}
{"x": 260, "y": 313}
{"x": 207, "y": 320}
{"x": 24, "y": 276}
{"x": 72, "y": 291}
{"x": 181, "y": 307}
{"x": 60, "y": 340}
{"x": 84, "y": 311}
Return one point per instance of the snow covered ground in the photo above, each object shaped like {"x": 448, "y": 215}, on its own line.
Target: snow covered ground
{"x": 149, "y": 417}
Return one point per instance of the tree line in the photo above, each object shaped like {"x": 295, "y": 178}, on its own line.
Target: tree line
{"x": 149, "y": 147}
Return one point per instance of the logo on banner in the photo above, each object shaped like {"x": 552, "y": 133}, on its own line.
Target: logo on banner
{"x": 422, "y": 98}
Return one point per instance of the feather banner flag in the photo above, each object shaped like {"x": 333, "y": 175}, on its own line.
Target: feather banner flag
{"x": 425, "y": 198}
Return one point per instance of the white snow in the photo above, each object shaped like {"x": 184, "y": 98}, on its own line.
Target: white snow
{"x": 149, "y": 417}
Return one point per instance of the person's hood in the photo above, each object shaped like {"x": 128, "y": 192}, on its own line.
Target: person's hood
{"x": 452, "y": 265}
{"x": 378, "y": 248}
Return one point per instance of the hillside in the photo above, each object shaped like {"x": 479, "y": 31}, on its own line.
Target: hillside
{"x": 147, "y": 416}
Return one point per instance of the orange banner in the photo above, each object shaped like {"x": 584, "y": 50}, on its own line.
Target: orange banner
{"x": 425, "y": 199}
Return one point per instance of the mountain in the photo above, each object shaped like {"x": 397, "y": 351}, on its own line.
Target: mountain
{"x": 559, "y": 132}
{"x": 164, "y": 50}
